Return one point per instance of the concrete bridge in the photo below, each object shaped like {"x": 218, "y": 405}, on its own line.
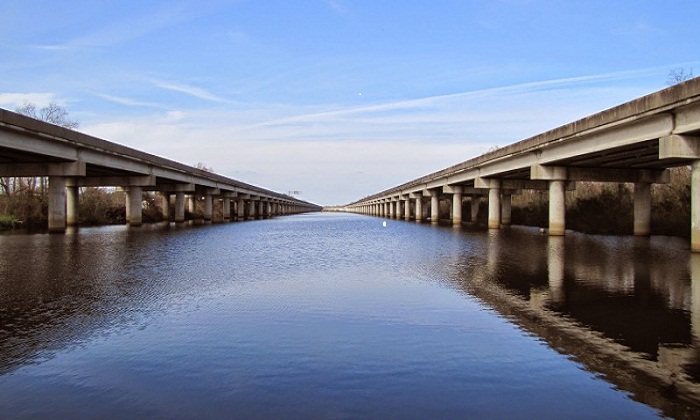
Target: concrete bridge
{"x": 635, "y": 142}
{"x": 72, "y": 160}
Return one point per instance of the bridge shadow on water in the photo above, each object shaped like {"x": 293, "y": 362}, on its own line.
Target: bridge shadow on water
{"x": 626, "y": 308}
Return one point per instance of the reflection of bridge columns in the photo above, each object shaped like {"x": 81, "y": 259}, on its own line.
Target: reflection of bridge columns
{"x": 555, "y": 268}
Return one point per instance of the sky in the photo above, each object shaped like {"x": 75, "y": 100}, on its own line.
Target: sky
{"x": 336, "y": 99}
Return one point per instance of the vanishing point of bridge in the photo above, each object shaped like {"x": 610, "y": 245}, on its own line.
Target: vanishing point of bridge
{"x": 635, "y": 142}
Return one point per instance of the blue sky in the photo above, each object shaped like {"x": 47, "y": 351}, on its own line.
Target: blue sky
{"x": 336, "y": 98}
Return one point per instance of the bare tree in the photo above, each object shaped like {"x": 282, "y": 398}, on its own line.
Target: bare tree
{"x": 25, "y": 197}
{"x": 678, "y": 75}
{"x": 52, "y": 113}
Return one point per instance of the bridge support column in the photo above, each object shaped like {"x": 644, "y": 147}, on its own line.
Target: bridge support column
{"x": 419, "y": 209}
{"x": 495, "y": 206}
{"x": 165, "y": 206}
{"x": 397, "y": 212}
{"x": 407, "y": 209}
{"x": 434, "y": 208}
{"x": 134, "y": 204}
{"x": 57, "y": 204}
{"x": 208, "y": 207}
{"x": 240, "y": 207}
{"x": 642, "y": 209}
{"x": 226, "y": 209}
{"x": 457, "y": 206}
{"x": 506, "y": 200}
{"x": 475, "y": 202}
{"x": 179, "y": 207}
{"x": 251, "y": 209}
{"x": 695, "y": 207}
{"x": 72, "y": 201}
{"x": 191, "y": 206}
{"x": 557, "y": 207}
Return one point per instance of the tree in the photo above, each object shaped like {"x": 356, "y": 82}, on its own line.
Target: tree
{"x": 25, "y": 197}
{"x": 678, "y": 75}
{"x": 52, "y": 113}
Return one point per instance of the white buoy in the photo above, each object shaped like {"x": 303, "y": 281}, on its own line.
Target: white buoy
{"x": 384, "y": 223}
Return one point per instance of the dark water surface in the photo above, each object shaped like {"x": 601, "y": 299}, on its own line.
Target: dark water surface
{"x": 336, "y": 316}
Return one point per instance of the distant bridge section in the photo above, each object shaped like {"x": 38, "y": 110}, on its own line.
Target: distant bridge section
{"x": 635, "y": 142}
{"x": 71, "y": 160}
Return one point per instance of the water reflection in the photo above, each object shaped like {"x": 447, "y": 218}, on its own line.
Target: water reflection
{"x": 389, "y": 300}
{"x": 626, "y": 308}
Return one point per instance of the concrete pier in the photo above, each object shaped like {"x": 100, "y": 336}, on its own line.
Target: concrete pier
{"x": 57, "y": 204}
{"x": 165, "y": 205}
{"x": 134, "y": 204}
{"x": 226, "y": 208}
{"x": 695, "y": 207}
{"x": 494, "y": 207}
{"x": 456, "y": 206}
{"x": 642, "y": 209}
{"x": 434, "y": 207}
{"x": 475, "y": 202}
{"x": 72, "y": 204}
{"x": 557, "y": 208}
{"x": 506, "y": 205}
{"x": 179, "y": 207}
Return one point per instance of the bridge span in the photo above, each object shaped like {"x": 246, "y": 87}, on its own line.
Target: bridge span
{"x": 71, "y": 160}
{"x": 635, "y": 142}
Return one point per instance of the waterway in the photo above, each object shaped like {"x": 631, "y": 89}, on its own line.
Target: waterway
{"x": 338, "y": 316}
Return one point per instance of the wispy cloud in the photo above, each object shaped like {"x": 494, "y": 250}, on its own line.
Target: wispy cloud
{"x": 127, "y": 101}
{"x": 190, "y": 90}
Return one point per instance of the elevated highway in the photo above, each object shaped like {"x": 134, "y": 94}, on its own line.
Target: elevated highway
{"x": 72, "y": 160}
{"x": 635, "y": 142}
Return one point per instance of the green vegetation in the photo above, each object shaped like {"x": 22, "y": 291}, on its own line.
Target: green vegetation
{"x": 8, "y": 222}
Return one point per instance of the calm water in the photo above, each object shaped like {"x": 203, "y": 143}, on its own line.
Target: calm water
{"x": 336, "y": 316}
